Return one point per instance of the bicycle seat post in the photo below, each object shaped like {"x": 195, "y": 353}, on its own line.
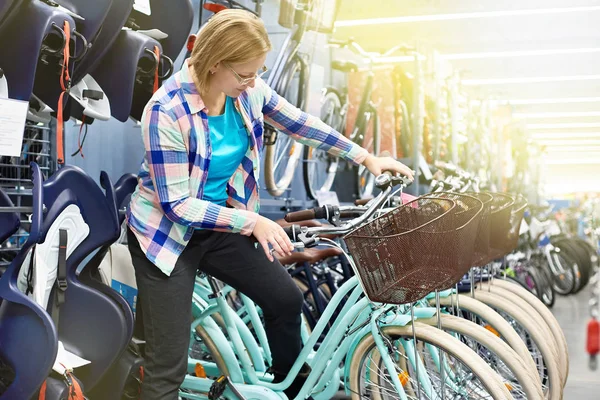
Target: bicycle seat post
{"x": 216, "y": 292}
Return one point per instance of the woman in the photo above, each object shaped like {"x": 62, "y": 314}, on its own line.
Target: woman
{"x": 196, "y": 205}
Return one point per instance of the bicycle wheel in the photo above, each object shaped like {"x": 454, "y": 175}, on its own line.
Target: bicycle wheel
{"x": 548, "y": 317}
{"x": 535, "y": 334}
{"x": 366, "y": 180}
{"x": 320, "y": 167}
{"x": 480, "y": 313}
{"x": 282, "y": 156}
{"x": 562, "y": 269}
{"x": 474, "y": 379}
{"x": 522, "y": 382}
{"x": 580, "y": 255}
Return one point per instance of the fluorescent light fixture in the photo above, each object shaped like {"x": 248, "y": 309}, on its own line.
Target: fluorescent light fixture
{"x": 540, "y": 79}
{"x": 496, "y": 54}
{"x": 461, "y": 16}
{"x": 397, "y": 59}
{"x": 565, "y": 135}
{"x": 565, "y": 125}
{"x": 565, "y": 100}
{"x": 521, "y": 53}
{"x": 571, "y": 142}
{"x": 557, "y": 114}
{"x": 571, "y": 161}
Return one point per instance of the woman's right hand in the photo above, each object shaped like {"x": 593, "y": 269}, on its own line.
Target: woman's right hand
{"x": 269, "y": 232}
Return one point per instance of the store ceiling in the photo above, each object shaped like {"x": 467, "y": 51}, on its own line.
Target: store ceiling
{"x": 558, "y": 39}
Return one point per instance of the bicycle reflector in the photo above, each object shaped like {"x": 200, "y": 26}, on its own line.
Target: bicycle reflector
{"x": 190, "y": 43}
{"x": 215, "y": 8}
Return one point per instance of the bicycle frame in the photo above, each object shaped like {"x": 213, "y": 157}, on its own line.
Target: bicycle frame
{"x": 358, "y": 317}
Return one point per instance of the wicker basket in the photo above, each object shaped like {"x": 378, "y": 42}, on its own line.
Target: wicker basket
{"x": 422, "y": 246}
{"x": 321, "y": 16}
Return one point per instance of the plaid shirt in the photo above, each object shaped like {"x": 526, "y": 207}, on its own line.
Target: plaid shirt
{"x": 167, "y": 204}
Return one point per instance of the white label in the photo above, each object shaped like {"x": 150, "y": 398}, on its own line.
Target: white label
{"x": 142, "y": 6}
{"x": 13, "y": 114}
{"x": 327, "y": 198}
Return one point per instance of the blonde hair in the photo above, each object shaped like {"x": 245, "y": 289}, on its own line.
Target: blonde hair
{"x": 231, "y": 36}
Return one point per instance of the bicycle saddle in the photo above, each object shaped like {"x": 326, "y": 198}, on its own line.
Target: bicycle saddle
{"x": 310, "y": 255}
{"x": 344, "y": 66}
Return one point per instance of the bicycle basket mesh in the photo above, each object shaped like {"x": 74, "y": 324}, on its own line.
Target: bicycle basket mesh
{"x": 469, "y": 208}
{"x": 500, "y": 211}
{"x": 481, "y": 252}
{"x": 416, "y": 248}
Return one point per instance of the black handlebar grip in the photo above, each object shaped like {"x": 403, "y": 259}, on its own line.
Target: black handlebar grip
{"x": 296, "y": 216}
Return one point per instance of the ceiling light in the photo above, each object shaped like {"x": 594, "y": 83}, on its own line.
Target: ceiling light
{"x": 557, "y": 114}
{"x": 565, "y": 125}
{"x": 571, "y": 142}
{"x": 571, "y": 161}
{"x": 521, "y": 53}
{"x": 459, "y": 16}
{"x": 564, "y": 135}
{"x": 541, "y": 79}
{"x": 564, "y": 100}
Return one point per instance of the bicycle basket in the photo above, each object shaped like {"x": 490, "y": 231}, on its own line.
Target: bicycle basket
{"x": 481, "y": 252}
{"x": 470, "y": 207}
{"x": 500, "y": 211}
{"x": 516, "y": 217}
{"x": 321, "y": 14}
{"x": 414, "y": 249}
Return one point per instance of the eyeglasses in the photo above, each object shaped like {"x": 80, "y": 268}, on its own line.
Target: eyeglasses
{"x": 245, "y": 81}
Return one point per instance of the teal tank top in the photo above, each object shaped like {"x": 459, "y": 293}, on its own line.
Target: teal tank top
{"x": 229, "y": 142}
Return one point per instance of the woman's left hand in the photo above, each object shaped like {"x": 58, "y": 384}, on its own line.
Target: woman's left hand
{"x": 377, "y": 165}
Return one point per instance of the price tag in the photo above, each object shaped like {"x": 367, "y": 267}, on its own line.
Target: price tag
{"x": 13, "y": 114}
{"x": 142, "y": 6}
{"x": 327, "y": 198}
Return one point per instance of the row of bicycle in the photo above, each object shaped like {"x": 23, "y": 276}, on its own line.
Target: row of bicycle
{"x": 396, "y": 327}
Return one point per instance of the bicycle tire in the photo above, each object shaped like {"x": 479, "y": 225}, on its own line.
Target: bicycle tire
{"x": 493, "y": 320}
{"x": 563, "y": 282}
{"x": 528, "y": 378}
{"x": 277, "y": 186}
{"x": 438, "y": 338}
{"x": 546, "y": 314}
{"x": 539, "y": 333}
{"x": 331, "y": 97}
{"x": 365, "y": 183}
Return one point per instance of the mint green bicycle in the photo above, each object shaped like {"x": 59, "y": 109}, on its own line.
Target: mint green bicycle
{"x": 385, "y": 350}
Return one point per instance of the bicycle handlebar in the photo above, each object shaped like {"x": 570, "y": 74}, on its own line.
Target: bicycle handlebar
{"x": 308, "y": 235}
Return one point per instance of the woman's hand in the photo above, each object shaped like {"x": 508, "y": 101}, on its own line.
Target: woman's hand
{"x": 267, "y": 231}
{"x": 376, "y": 165}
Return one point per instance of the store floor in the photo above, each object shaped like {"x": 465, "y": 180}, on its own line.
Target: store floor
{"x": 572, "y": 313}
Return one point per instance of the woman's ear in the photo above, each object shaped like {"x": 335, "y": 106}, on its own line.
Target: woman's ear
{"x": 214, "y": 68}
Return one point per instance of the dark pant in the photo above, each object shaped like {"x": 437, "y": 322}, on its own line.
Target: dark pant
{"x": 165, "y": 302}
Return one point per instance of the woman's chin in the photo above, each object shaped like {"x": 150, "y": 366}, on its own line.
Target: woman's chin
{"x": 235, "y": 92}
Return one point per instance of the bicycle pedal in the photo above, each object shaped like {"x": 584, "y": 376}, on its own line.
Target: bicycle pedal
{"x": 217, "y": 388}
